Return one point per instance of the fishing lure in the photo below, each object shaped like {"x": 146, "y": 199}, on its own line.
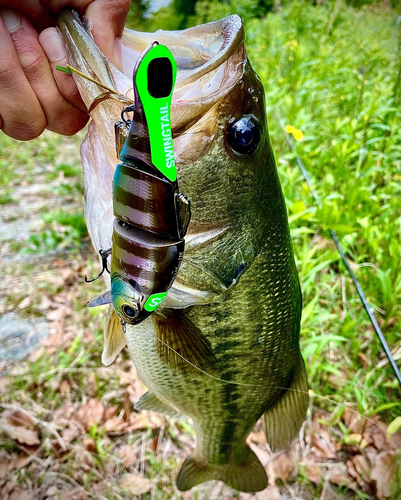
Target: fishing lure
{"x": 151, "y": 215}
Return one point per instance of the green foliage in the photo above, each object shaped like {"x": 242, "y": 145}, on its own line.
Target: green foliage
{"x": 69, "y": 230}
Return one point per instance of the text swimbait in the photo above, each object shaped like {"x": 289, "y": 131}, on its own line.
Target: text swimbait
{"x": 151, "y": 215}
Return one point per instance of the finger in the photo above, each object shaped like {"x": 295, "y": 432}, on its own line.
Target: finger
{"x": 107, "y": 17}
{"x": 61, "y": 115}
{"x": 38, "y": 12}
{"x": 52, "y": 44}
{"x": 22, "y": 116}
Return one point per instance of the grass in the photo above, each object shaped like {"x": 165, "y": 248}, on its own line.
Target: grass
{"x": 333, "y": 74}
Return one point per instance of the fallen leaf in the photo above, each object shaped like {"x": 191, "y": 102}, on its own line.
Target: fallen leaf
{"x": 20, "y": 460}
{"x": 145, "y": 420}
{"x": 129, "y": 455}
{"x": 362, "y": 467}
{"x": 314, "y": 473}
{"x": 339, "y": 475}
{"x": 64, "y": 386}
{"x": 19, "y": 418}
{"x": 73, "y": 431}
{"x": 283, "y": 465}
{"x": 137, "y": 485}
{"x": 90, "y": 413}
{"x": 63, "y": 415}
{"x": 19, "y": 494}
{"x": 5, "y": 462}
{"x": 386, "y": 473}
{"x": 270, "y": 493}
{"x": 25, "y": 303}
{"x": 353, "y": 420}
{"x": 21, "y": 434}
{"x": 115, "y": 424}
{"x": 322, "y": 446}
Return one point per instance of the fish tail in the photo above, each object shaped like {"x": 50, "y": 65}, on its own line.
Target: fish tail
{"x": 247, "y": 475}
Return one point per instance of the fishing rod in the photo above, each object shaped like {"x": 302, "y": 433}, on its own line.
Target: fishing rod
{"x": 343, "y": 256}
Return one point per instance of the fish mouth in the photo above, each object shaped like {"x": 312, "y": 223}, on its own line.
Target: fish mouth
{"x": 210, "y": 58}
{"x": 203, "y": 54}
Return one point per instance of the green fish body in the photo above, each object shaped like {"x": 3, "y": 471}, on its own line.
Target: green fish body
{"x": 223, "y": 348}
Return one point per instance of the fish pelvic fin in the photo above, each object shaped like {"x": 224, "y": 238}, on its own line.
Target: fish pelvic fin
{"x": 180, "y": 344}
{"x": 114, "y": 338}
{"x": 282, "y": 422}
{"x": 151, "y": 402}
{"x": 247, "y": 475}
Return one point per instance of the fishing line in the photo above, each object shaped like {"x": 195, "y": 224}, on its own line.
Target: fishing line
{"x": 333, "y": 235}
{"x": 310, "y": 392}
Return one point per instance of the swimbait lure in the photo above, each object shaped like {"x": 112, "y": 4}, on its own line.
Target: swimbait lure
{"x": 151, "y": 215}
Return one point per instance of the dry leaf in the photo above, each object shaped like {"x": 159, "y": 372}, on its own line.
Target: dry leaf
{"x": 322, "y": 445}
{"x": 90, "y": 413}
{"x": 362, "y": 467}
{"x": 20, "y": 460}
{"x": 73, "y": 431}
{"x": 314, "y": 473}
{"x": 63, "y": 415}
{"x": 283, "y": 465}
{"x": 353, "y": 421}
{"x": 145, "y": 420}
{"x": 19, "y": 418}
{"x": 129, "y": 455}
{"x": 19, "y": 494}
{"x": 5, "y": 462}
{"x": 25, "y": 303}
{"x": 138, "y": 485}
{"x": 339, "y": 476}
{"x": 386, "y": 473}
{"x": 64, "y": 387}
{"x": 21, "y": 434}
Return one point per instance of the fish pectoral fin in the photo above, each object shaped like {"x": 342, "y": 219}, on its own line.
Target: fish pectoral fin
{"x": 101, "y": 300}
{"x": 180, "y": 344}
{"x": 181, "y": 296}
{"x": 151, "y": 402}
{"x": 114, "y": 338}
{"x": 282, "y": 422}
{"x": 248, "y": 475}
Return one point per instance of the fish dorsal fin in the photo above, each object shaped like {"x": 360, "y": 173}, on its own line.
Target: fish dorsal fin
{"x": 282, "y": 422}
{"x": 180, "y": 343}
{"x": 114, "y": 338}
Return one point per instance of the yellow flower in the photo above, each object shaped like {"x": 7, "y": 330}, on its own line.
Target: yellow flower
{"x": 298, "y": 135}
{"x": 291, "y": 44}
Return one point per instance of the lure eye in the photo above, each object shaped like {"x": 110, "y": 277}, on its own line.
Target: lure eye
{"x": 244, "y": 136}
{"x": 129, "y": 312}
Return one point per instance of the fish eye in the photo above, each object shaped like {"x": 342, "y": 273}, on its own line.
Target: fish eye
{"x": 129, "y": 312}
{"x": 243, "y": 136}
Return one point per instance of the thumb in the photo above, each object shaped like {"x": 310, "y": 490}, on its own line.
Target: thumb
{"x": 108, "y": 19}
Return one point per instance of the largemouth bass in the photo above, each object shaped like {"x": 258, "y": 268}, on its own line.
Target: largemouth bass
{"x": 223, "y": 348}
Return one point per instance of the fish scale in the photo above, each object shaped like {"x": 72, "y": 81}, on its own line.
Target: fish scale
{"x": 224, "y": 347}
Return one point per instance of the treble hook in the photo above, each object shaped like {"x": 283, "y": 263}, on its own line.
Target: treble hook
{"x": 104, "y": 255}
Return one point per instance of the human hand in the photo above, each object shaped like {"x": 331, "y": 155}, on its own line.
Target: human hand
{"x": 33, "y": 95}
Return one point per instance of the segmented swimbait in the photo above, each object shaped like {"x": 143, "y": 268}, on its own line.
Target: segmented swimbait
{"x": 151, "y": 215}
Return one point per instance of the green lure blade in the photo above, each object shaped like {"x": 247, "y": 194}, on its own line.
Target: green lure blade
{"x": 155, "y": 79}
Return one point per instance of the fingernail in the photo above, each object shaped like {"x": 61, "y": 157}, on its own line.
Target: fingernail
{"x": 11, "y": 19}
{"x": 52, "y": 43}
{"x": 118, "y": 54}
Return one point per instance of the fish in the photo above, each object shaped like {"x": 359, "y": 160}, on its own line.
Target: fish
{"x": 223, "y": 348}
